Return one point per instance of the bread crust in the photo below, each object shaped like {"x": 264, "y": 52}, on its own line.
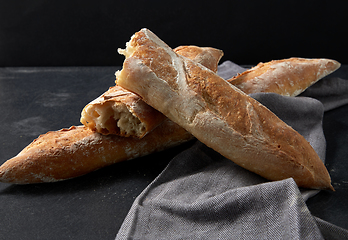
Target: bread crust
{"x": 73, "y": 152}
{"x": 120, "y": 112}
{"x": 287, "y": 77}
{"x": 219, "y": 114}
{"x": 207, "y": 56}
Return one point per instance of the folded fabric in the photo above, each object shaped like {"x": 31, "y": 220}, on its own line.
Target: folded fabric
{"x": 202, "y": 195}
{"x": 331, "y": 91}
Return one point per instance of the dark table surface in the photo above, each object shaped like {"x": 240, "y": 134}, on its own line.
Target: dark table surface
{"x": 34, "y": 100}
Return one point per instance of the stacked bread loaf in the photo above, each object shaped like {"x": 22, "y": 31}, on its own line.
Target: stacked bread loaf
{"x": 164, "y": 97}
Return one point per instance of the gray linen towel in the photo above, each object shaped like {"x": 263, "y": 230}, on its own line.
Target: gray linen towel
{"x": 202, "y": 195}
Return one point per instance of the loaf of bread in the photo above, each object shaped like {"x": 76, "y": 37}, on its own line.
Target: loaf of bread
{"x": 287, "y": 77}
{"x": 218, "y": 114}
{"x": 69, "y": 153}
{"x": 120, "y": 112}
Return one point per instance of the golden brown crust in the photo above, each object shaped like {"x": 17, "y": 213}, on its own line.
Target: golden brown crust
{"x": 69, "y": 153}
{"x": 207, "y": 56}
{"x": 281, "y": 152}
{"x": 288, "y": 77}
{"x": 120, "y": 112}
{"x": 218, "y": 114}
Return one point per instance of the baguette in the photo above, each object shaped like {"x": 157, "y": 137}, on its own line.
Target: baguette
{"x": 73, "y": 152}
{"x": 120, "y": 112}
{"x": 287, "y": 77}
{"x": 218, "y": 114}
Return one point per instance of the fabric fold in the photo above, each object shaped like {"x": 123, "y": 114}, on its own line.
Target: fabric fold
{"x": 213, "y": 198}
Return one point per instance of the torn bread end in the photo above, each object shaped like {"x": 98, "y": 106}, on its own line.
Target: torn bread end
{"x": 112, "y": 118}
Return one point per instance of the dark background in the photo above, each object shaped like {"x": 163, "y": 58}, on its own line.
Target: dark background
{"x": 88, "y": 33}
{"x": 81, "y": 33}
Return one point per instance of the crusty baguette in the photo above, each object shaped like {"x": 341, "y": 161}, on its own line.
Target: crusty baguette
{"x": 218, "y": 114}
{"x": 69, "y": 153}
{"x": 120, "y": 112}
{"x": 287, "y": 77}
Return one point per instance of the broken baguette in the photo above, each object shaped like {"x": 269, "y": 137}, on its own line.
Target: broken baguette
{"x": 218, "y": 114}
{"x": 287, "y": 77}
{"x": 73, "y": 152}
{"x": 120, "y": 112}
